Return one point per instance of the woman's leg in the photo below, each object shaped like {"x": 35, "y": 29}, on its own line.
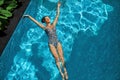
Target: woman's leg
{"x": 60, "y": 51}
{"x": 56, "y": 56}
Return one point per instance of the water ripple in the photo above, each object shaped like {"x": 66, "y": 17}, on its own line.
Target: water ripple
{"x": 76, "y": 15}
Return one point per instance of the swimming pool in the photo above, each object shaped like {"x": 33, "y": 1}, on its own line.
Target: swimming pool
{"x": 89, "y": 35}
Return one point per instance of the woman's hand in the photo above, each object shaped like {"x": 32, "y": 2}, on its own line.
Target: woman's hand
{"x": 59, "y": 4}
{"x": 25, "y": 16}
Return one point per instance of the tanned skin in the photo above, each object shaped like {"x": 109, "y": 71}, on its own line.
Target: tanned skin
{"x": 56, "y": 52}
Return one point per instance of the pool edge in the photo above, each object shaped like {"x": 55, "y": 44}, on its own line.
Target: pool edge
{"x": 11, "y": 27}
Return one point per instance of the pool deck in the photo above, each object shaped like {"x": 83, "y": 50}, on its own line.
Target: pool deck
{"x": 4, "y": 37}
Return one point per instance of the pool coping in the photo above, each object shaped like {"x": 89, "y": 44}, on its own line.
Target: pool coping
{"x": 11, "y": 27}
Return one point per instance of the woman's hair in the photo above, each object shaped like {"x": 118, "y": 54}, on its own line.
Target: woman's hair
{"x": 43, "y": 19}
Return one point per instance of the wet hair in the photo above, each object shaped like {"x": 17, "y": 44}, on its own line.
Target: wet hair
{"x": 43, "y": 19}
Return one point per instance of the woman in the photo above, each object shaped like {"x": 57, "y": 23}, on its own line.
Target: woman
{"x": 54, "y": 44}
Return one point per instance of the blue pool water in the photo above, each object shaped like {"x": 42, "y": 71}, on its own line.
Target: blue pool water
{"x": 89, "y": 33}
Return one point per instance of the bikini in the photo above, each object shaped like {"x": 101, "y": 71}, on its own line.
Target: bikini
{"x": 52, "y": 36}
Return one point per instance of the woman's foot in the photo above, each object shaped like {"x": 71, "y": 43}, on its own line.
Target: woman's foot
{"x": 63, "y": 77}
{"x": 66, "y": 75}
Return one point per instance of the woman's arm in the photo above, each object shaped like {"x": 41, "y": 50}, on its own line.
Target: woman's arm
{"x": 57, "y": 14}
{"x": 35, "y": 21}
